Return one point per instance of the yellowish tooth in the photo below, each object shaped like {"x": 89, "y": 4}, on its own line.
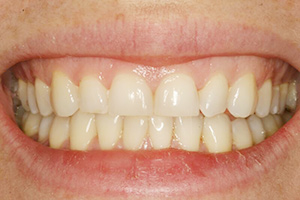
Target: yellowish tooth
{"x": 22, "y": 94}
{"x": 278, "y": 120}
{"x": 264, "y": 99}
{"x": 160, "y": 131}
{"x": 93, "y": 96}
{"x": 176, "y": 96}
{"x": 270, "y": 125}
{"x": 42, "y": 92}
{"x": 24, "y": 118}
{"x": 31, "y": 99}
{"x": 283, "y": 94}
{"x": 59, "y": 132}
{"x": 242, "y": 137}
{"x": 45, "y": 128}
{"x": 275, "y": 100}
{"x": 257, "y": 129}
{"x": 32, "y": 124}
{"x": 291, "y": 99}
{"x": 64, "y": 95}
{"x": 287, "y": 116}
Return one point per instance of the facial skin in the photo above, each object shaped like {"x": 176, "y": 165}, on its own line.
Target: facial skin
{"x": 21, "y": 20}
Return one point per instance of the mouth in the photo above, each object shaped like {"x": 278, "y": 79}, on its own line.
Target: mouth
{"x": 157, "y": 115}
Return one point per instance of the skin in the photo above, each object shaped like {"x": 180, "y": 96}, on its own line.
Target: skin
{"x": 19, "y": 21}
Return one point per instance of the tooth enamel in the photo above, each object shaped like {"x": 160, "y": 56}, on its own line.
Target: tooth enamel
{"x": 42, "y": 92}
{"x": 45, "y": 128}
{"x": 93, "y": 96}
{"x": 22, "y": 94}
{"x": 275, "y": 100}
{"x": 31, "y": 99}
{"x": 82, "y": 130}
{"x": 176, "y": 96}
{"x": 278, "y": 120}
{"x": 257, "y": 129}
{"x": 242, "y": 96}
{"x": 24, "y": 118}
{"x": 217, "y": 134}
{"x": 213, "y": 97}
{"x": 109, "y": 130}
{"x": 135, "y": 129}
{"x": 241, "y": 134}
{"x": 270, "y": 125}
{"x": 64, "y": 95}
{"x": 32, "y": 124}
{"x": 188, "y": 131}
{"x": 291, "y": 100}
{"x": 130, "y": 96}
{"x": 160, "y": 132}
{"x": 264, "y": 99}
{"x": 283, "y": 94}
{"x": 59, "y": 132}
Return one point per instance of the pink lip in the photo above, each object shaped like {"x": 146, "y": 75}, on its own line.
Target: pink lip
{"x": 156, "y": 173}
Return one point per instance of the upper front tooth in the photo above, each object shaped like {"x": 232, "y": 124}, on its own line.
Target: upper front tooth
{"x": 31, "y": 99}
{"x": 242, "y": 96}
{"x": 283, "y": 94}
{"x": 275, "y": 100}
{"x": 264, "y": 99}
{"x": 160, "y": 131}
{"x": 257, "y": 129}
{"x": 291, "y": 100}
{"x": 176, "y": 96}
{"x": 22, "y": 93}
{"x": 130, "y": 96}
{"x": 241, "y": 134}
{"x": 93, "y": 96}
{"x": 213, "y": 97}
{"x": 42, "y": 92}
{"x": 64, "y": 95}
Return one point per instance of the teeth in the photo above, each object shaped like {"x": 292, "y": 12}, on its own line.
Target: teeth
{"x": 22, "y": 94}
{"x": 160, "y": 131}
{"x": 264, "y": 99}
{"x": 242, "y": 96}
{"x": 275, "y": 100}
{"x": 283, "y": 94}
{"x": 24, "y": 118}
{"x": 109, "y": 130}
{"x": 135, "y": 129}
{"x": 287, "y": 116}
{"x": 82, "y": 130}
{"x": 31, "y": 99}
{"x": 32, "y": 124}
{"x": 257, "y": 129}
{"x": 278, "y": 120}
{"x": 241, "y": 134}
{"x": 93, "y": 96}
{"x": 130, "y": 96}
{"x": 45, "y": 128}
{"x": 291, "y": 100}
{"x": 270, "y": 125}
{"x": 188, "y": 132}
{"x": 213, "y": 97}
{"x": 64, "y": 95}
{"x": 42, "y": 92}
{"x": 59, "y": 132}
{"x": 217, "y": 133}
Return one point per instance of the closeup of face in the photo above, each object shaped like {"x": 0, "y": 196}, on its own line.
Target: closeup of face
{"x": 121, "y": 99}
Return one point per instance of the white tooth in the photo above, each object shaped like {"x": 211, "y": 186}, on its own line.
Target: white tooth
{"x": 176, "y": 96}
{"x": 283, "y": 94}
{"x": 82, "y": 130}
{"x": 257, "y": 129}
{"x": 217, "y": 134}
{"x": 42, "y": 92}
{"x": 264, "y": 99}
{"x": 64, "y": 95}
{"x": 31, "y": 99}
{"x": 213, "y": 97}
{"x": 291, "y": 100}
{"x": 130, "y": 96}
{"x": 275, "y": 100}
{"x": 242, "y": 96}
{"x": 109, "y": 130}
{"x": 160, "y": 131}
{"x": 24, "y": 118}
{"x": 188, "y": 131}
{"x": 241, "y": 134}
{"x": 270, "y": 125}
{"x": 278, "y": 120}
{"x": 287, "y": 116}
{"x": 22, "y": 94}
{"x": 32, "y": 124}
{"x": 135, "y": 129}
{"x": 59, "y": 132}
{"x": 93, "y": 96}
{"x": 45, "y": 128}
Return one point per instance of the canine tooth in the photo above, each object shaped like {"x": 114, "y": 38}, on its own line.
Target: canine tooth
{"x": 31, "y": 99}
{"x": 264, "y": 99}
{"x": 291, "y": 100}
{"x": 242, "y": 96}
{"x": 59, "y": 132}
{"x": 45, "y": 128}
{"x": 160, "y": 131}
{"x": 93, "y": 96}
{"x": 241, "y": 134}
{"x": 176, "y": 96}
{"x": 82, "y": 130}
{"x": 213, "y": 97}
{"x": 22, "y": 94}
{"x": 188, "y": 131}
{"x": 64, "y": 95}
{"x": 257, "y": 129}
{"x": 32, "y": 124}
{"x": 275, "y": 100}
{"x": 217, "y": 133}
{"x": 135, "y": 129}
{"x": 42, "y": 92}
{"x": 270, "y": 125}
{"x": 278, "y": 120}
{"x": 283, "y": 94}
{"x": 130, "y": 96}
{"x": 109, "y": 130}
